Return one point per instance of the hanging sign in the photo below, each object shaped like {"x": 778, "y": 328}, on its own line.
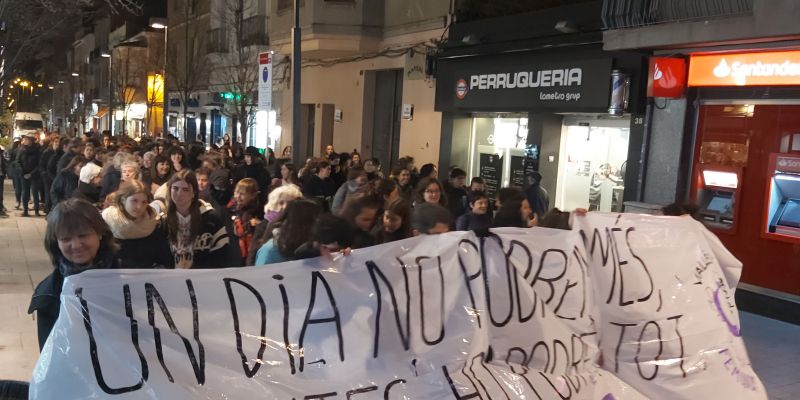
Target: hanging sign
{"x": 666, "y": 77}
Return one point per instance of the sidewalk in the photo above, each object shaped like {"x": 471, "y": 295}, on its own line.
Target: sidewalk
{"x": 773, "y": 346}
{"x": 23, "y": 264}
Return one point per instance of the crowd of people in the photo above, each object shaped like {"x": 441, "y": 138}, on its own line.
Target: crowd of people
{"x": 117, "y": 203}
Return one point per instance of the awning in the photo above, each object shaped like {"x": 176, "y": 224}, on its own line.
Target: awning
{"x": 101, "y": 113}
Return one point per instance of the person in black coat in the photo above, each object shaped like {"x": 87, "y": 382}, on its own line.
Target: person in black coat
{"x": 3, "y": 172}
{"x": 48, "y": 151}
{"x": 77, "y": 239}
{"x": 31, "y": 176}
{"x": 135, "y": 225}
{"x": 74, "y": 148}
{"x": 320, "y": 184}
{"x": 89, "y": 183}
{"x": 454, "y": 189}
{"x": 67, "y": 180}
{"x": 254, "y": 168}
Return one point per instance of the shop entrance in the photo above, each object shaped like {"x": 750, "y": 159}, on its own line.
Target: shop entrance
{"x": 592, "y": 165}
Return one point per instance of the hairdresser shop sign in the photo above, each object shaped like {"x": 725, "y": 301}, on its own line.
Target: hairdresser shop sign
{"x": 520, "y": 83}
{"x": 622, "y": 307}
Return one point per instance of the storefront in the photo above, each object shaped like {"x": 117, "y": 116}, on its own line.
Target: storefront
{"x": 565, "y": 113}
{"x": 746, "y": 161}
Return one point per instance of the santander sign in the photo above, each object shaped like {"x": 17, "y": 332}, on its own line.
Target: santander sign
{"x": 745, "y": 69}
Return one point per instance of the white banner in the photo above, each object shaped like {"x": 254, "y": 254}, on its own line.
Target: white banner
{"x": 264, "y": 81}
{"x": 622, "y": 307}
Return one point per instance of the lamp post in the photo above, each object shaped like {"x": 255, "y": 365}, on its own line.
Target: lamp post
{"x": 108, "y": 54}
{"x": 161, "y": 23}
{"x": 296, "y": 64}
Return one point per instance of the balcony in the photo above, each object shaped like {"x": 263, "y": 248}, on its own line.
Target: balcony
{"x": 218, "y": 41}
{"x": 254, "y": 31}
{"x": 624, "y": 14}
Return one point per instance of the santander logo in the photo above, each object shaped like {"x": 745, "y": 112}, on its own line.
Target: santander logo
{"x": 657, "y": 74}
{"x": 722, "y": 70}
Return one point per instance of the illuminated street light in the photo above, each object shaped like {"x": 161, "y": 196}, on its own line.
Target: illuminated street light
{"x": 24, "y": 84}
{"x": 76, "y": 74}
{"x": 51, "y": 87}
{"x": 39, "y": 85}
{"x": 60, "y": 82}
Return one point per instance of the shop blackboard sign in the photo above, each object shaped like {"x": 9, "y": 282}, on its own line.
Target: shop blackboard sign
{"x": 491, "y": 170}
{"x": 518, "y": 172}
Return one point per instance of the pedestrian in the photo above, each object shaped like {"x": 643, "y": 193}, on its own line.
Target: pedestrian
{"x": 113, "y": 175}
{"x": 90, "y": 178}
{"x": 276, "y": 204}
{"x": 15, "y": 172}
{"x": 77, "y": 239}
{"x": 430, "y": 219}
{"x": 361, "y": 214}
{"x": 478, "y": 216}
{"x": 513, "y": 210}
{"x": 254, "y": 168}
{"x": 197, "y": 236}
{"x": 477, "y": 185}
{"x": 49, "y": 148}
{"x": 31, "y": 176}
{"x": 320, "y": 184}
{"x": 395, "y": 223}
{"x": 386, "y": 190}
{"x": 403, "y": 178}
{"x": 537, "y": 196}
{"x": 74, "y": 148}
{"x": 160, "y": 172}
{"x": 289, "y": 232}
{"x": 454, "y": 189}
{"x": 372, "y": 166}
{"x": 356, "y": 183}
{"x": 331, "y": 234}
{"x": 3, "y": 172}
{"x": 67, "y": 180}
{"x": 245, "y": 211}
{"x": 177, "y": 158}
{"x": 355, "y": 160}
{"x": 430, "y": 190}
{"x": 428, "y": 171}
{"x": 134, "y": 225}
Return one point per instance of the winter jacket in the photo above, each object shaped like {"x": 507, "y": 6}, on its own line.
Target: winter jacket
{"x": 46, "y": 299}
{"x": 47, "y": 154}
{"x": 456, "y": 199}
{"x": 29, "y": 160}
{"x": 142, "y": 244}
{"x": 257, "y": 171}
{"x": 345, "y": 192}
{"x": 318, "y": 187}
{"x": 111, "y": 182}
{"x": 63, "y": 186}
{"x": 65, "y": 160}
{"x": 213, "y": 248}
{"x": 3, "y": 163}
{"x": 241, "y": 227}
{"x": 52, "y": 163}
{"x": 87, "y": 192}
{"x": 470, "y": 222}
{"x": 406, "y": 192}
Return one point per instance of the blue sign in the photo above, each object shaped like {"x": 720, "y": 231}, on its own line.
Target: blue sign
{"x": 265, "y": 73}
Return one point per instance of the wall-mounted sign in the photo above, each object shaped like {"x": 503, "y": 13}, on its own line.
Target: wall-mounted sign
{"x": 522, "y": 82}
{"x": 265, "y": 82}
{"x": 666, "y": 77}
{"x": 337, "y": 115}
{"x": 745, "y": 69}
{"x": 408, "y": 111}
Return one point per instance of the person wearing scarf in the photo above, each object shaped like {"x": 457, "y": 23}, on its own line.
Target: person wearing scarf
{"x": 134, "y": 224}
{"x": 77, "y": 239}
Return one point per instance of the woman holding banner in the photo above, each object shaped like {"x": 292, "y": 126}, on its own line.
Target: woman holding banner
{"x": 77, "y": 239}
{"x": 196, "y": 234}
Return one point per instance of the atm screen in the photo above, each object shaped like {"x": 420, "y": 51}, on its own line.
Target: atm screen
{"x": 791, "y": 214}
{"x": 722, "y": 204}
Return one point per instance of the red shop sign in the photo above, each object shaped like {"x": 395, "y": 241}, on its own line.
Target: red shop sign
{"x": 666, "y": 77}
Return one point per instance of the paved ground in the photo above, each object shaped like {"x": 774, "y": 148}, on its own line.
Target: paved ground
{"x": 774, "y": 346}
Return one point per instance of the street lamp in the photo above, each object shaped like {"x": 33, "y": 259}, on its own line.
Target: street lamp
{"x": 161, "y": 23}
{"x": 75, "y": 74}
{"x": 108, "y": 54}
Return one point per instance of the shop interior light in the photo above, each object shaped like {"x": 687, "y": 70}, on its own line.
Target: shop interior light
{"x": 721, "y": 179}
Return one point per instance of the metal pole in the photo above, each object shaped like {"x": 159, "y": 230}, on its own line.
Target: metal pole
{"x": 165, "y": 96}
{"x": 111, "y": 93}
{"x": 296, "y": 64}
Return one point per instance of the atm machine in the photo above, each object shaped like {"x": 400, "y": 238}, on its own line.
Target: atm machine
{"x": 782, "y": 205}
{"x": 717, "y": 193}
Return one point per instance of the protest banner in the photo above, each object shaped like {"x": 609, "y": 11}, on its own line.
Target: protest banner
{"x": 621, "y": 307}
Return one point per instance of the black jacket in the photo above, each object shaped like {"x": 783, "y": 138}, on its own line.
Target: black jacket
{"x": 470, "y": 222}
{"x": 63, "y": 186}
{"x": 87, "y": 192}
{"x": 456, "y": 199}
{"x": 257, "y": 171}
{"x": 47, "y": 154}
{"x": 52, "y": 163}
{"x": 214, "y": 248}
{"x": 46, "y": 299}
{"x": 64, "y": 160}
{"x": 148, "y": 252}
{"x": 29, "y": 160}
{"x": 111, "y": 182}
{"x": 317, "y": 187}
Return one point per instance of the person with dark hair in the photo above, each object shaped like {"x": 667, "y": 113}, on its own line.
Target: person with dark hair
{"x": 50, "y": 147}
{"x": 177, "y": 158}
{"x": 477, "y": 185}
{"x": 135, "y": 227}
{"x": 395, "y": 224}
{"x": 555, "y": 219}
{"x": 197, "y": 236}
{"x": 356, "y": 183}
{"x": 14, "y": 390}
{"x": 320, "y": 184}
{"x": 355, "y": 160}
{"x": 430, "y": 219}
{"x": 537, "y": 196}
{"x": 678, "y": 209}
{"x": 478, "y": 217}
{"x": 402, "y": 176}
{"x": 331, "y": 234}
{"x": 386, "y": 190}
{"x": 160, "y": 172}
{"x": 67, "y": 180}
{"x": 429, "y": 190}
{"x": 77, "y": 239}
{"x": 31, "y": 175}
{"x": 509, "y": 215}
{"x": 289, "y": 232}
{"x": 428, "y": 171}
{"x": 361, "y": 214}
{"x": 372, "y": 166}
{"x": 74, "y": 148}
{"x": 219, "y": 177}
{"x": 255, "y": 169}
{"x": 455, "y": 191}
